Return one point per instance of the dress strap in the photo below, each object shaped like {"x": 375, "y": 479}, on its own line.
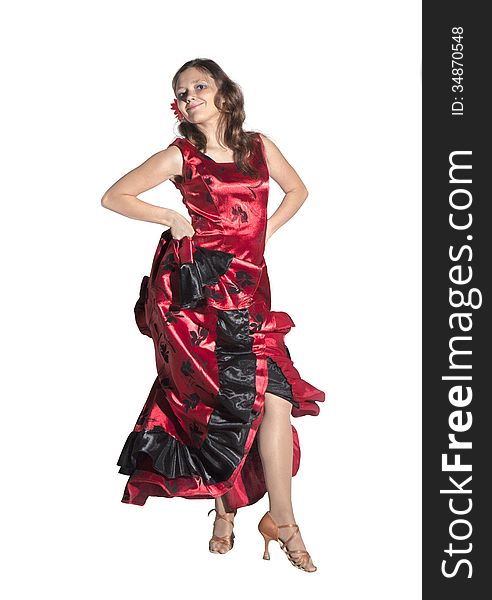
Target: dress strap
{"x": 186, "y": 154}
{"x": 261, "y": 148}
{"x": 182, "y": 144}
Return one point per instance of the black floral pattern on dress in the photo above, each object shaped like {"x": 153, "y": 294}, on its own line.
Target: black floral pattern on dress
{"x": 187, "y": 368}
{"x": 199, "y": 221}
{"x": 168, "y": 264}
{"x": 204, "y": 365}
{"x": 165, "y": 352}
{"x": 239, "y": 213}
{"x": 233, "y": 289}
{"x": 171, "y": 317}
{"x": 196, "y": 434}
{"x": 198, "y": 337}
{"x": 191, "y": 401}
{"x": 256, "y": 324}
{"x": 165, "y": 383}
{"x": 252, "y": 189}
{"x": 188, "y": 371}
{"x": 163, "y": 345}
{"x": 244, "y": 279}
{"x": 210, "y": 292}
{"x": 144, "y": 415}
{"x": 171, "y": 346}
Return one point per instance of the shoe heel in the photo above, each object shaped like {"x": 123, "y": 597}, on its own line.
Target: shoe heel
{"x": 266, "y": 554}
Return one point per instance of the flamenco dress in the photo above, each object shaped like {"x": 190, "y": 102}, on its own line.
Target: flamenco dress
{"x": 218, "y": 345}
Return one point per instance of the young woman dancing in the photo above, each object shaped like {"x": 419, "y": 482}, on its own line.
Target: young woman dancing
{"x": 216, "y": 423}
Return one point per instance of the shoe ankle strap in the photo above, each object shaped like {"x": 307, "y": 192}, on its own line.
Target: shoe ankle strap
{"x": 221, "y": 515}
{"x": 293, "y": 535}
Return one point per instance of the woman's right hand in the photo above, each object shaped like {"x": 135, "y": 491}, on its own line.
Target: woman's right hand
{"x": 180, "y": 227}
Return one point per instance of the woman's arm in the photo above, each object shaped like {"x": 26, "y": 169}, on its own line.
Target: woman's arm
{"x": 290, "y": 182}
{"x": 121, "y": 197}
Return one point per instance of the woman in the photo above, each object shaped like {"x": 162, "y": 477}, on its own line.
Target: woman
{"x": 224, "y": 371}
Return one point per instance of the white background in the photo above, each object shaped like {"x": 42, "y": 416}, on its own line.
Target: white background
{"x": 87, "y": 89}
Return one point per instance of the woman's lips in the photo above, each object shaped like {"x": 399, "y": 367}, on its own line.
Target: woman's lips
{"x": 196, "y": 105}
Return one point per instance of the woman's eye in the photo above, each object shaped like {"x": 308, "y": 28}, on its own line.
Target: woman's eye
{"x": 181, "y": 94}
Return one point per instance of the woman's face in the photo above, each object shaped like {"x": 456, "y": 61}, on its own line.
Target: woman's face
{"x": 195, "y": 93}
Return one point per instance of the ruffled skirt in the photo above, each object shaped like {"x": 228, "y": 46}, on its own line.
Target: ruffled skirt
{"x": 218, "y": 349}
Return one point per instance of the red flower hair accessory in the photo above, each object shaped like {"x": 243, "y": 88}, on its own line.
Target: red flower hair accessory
{"x": 177, "y": 113}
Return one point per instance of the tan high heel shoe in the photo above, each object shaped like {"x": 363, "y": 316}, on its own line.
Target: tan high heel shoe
{"x": 226, "y": 541}
{"x": 269, "y": 530}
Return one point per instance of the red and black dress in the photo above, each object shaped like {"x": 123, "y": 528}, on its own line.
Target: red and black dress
{"x": 218, "y": 346}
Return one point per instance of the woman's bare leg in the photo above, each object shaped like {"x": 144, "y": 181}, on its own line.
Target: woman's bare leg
{"x": 221, "y": 528}
{"x": 275, "y": 445}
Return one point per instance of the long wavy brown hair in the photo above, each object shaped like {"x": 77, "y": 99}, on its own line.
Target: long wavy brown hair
{"x": 231, "y": 119}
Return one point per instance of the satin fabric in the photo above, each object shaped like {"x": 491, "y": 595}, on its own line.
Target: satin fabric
{"x": 218, "y": 345}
